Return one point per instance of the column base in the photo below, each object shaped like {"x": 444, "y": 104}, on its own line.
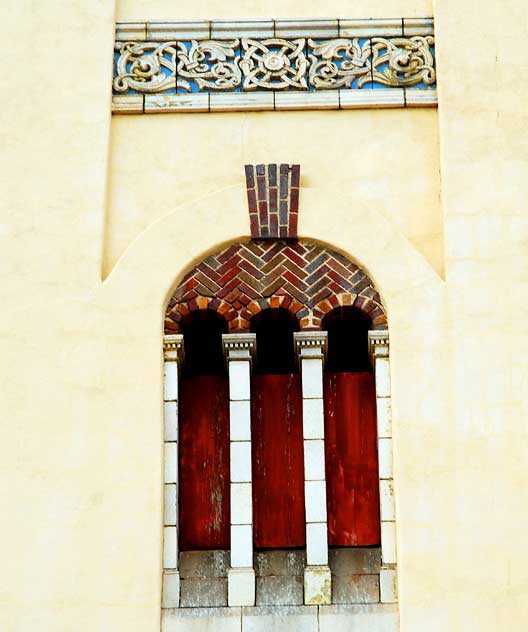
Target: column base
{"x": 171, "y": 589}
{"x": 241, "y": 587}
{"x": 317, "y": 586}
{"x": 388, "y": 585}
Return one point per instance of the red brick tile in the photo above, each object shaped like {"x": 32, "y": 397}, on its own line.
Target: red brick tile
{"x": 294, "y": 200}
{"x": 274, "y": 225}
{"x": 250, "y": 178}
{"x": 301, "y": 285}
{"x": 249, "y": 291}
{"x": 254, "y": 307}
{"x": 229, "y": 275}
{"x": 291, "y": 254}
{"x": 254, "y": 224}
{"x": 295, "y": 175}
{"x": 292, "y": 227}
{"x": 295, "y": 307}
{"x": 261, "y": 188}
{"x": 286, "y": 301}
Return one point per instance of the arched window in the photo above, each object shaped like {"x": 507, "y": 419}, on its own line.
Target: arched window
{"x": 277, "y": 435}
{"x": 204, "y": 435}
{"x": 350, "y": 432}
{"x": 274, "y": 498}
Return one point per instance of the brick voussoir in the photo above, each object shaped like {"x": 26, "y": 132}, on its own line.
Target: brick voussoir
{"x": 246, "y": 278}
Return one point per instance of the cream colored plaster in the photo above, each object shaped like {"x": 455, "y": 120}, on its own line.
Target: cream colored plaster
{"x": 211, "y": 9}
{"x": 81, "y": 372}
{"x": 55, "y": 84}
{"x": 384, "y": 159}
{"x": 484, "y": 161}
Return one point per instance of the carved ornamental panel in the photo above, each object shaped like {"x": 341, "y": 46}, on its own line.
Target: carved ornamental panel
{"x": 237, "y": 65}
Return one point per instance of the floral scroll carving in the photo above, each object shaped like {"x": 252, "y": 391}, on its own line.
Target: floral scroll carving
{"x": 212, "y": 65}
{"x": 339, "y": 62}
{"x": 403, "y": 61}
{"x": 274, "y": 64}
{"x": 146, "y": 67}
{"x": 302, "y": 64}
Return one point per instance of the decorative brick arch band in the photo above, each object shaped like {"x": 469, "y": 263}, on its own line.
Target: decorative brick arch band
{"x": 307, "y": 279}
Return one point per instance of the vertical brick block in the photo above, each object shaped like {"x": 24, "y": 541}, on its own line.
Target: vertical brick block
{"x": 273, "y": 193}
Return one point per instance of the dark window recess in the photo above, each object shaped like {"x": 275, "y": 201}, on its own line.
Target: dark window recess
{"x": 350, "y": 432}
{"x": 204, "y": 501}
{"x": 277, "y": 437}
{"x": 275, "y": 350}
{"x": 202, "y": 334}
{"x": 347, "y": 329}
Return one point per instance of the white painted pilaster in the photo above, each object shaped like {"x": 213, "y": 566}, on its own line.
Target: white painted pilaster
{"x": 379, "y": 352}
{"x": 239, "y": 350}
{"x": 311, "y": 350}
{"x": 173, "y": 357}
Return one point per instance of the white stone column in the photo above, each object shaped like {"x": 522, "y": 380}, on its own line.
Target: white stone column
{"x": 173, "y": 356}
{"x": 379, "y": 351}
{"x": 239, "y": 350}
{"x": 311, "y": 350}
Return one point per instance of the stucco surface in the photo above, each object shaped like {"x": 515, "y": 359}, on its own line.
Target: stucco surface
{"x": 211, "y": 9}
{"x": 385, "y": 159}
{"x": 81, "y": 362}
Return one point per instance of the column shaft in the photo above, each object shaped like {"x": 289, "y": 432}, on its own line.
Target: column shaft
{"x": 379, "y": 350}
{"x": 239, "y": 350}
{"x": 173, "y": 355}
{"x": 311, "y": 348}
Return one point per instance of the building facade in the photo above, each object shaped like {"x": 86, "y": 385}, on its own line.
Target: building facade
{"x": 200, "y": 203}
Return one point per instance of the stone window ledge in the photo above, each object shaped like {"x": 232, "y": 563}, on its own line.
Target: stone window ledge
{"x": 360, "y": 618}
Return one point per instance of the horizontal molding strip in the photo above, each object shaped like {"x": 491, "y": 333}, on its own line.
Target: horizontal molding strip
{"x": 224, "y": 65}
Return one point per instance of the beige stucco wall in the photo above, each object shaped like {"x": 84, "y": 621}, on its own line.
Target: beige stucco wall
{"x": 80, "y": 438}
{"x": 388, "y": 160}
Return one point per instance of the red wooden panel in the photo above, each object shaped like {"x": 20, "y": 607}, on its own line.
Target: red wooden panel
{"x": 204, "y": 463}
{"x": 278, "y": 469}
{"x": 351, "y": 459}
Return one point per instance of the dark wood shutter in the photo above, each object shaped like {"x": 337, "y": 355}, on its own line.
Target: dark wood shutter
{"x": 351, "y": 459}
{"x": 278, "y": 471}
{"x": 204, "y": 463}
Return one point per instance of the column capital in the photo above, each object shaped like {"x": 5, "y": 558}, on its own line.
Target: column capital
{"x": 173, "y": 348}
{"x": 310, "y": 344}
{"x": 239, "y": 346}
{"x": 378, "y": 343}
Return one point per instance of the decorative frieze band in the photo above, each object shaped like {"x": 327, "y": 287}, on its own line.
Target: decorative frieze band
{"x": 267, "y": 65}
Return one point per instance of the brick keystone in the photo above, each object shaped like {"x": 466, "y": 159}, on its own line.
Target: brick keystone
{"x": 273, "y": 190}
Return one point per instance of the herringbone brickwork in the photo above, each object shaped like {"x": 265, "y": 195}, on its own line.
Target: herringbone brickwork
{"x": 305, "y": 278}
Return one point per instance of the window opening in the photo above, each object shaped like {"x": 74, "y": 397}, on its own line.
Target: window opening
{"x": 347, "y": 329}
{"x": 204, "y": 436}
{"x": 202, "y": 338}
{"x": 278, "y": 472}
{"x": 275, "y": 351}
{"x": 350, "y": 451}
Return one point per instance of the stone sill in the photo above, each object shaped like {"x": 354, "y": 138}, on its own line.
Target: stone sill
{"x": 275, "y": 101}
{"x": 202, "y": 30}
{"x": 360, "y": 618}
